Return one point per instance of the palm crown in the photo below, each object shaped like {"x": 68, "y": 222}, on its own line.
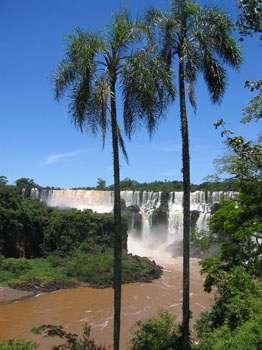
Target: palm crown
{"x": 201, "y": 38}
{"x": 91, "y": 68}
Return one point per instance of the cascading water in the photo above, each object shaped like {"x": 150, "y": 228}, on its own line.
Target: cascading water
{"x": 148, "y": 202}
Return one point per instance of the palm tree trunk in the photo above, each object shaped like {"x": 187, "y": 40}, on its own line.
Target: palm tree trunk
{"x": 117, "y": 222}
{"x": 186, "y": 206}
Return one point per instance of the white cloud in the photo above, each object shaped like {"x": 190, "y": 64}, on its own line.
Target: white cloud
{"x": 53, "y": 158}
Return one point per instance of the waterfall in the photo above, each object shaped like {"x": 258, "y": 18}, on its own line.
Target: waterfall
{"x": 147, "y": 201}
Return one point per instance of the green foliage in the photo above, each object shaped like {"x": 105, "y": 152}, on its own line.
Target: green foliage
{"x": 17, "y": 344}
{"x": 97, "y": 270}
{"x": 16, "y": 266}
{"x": 248, "y": 164}
{"x": 36, "y": 269}
{"x": 137, "y": 268}
{"x": 54, "y": 260}
{"x": 254, "y": 110}
{"x": 239, "y": 227}
{"x": 235, "y": 317}
{"x": 67, "y": 230}
{"x": 238, "y": 297}
{"x": 250, "y": 17}
{"x": 24, "y": 186}
{"x": 245, "y": 337}
{"x": 28, "y": 229}
{"x": 3, "y": 180}
{"x": 244, "y": 159}
{"x": 215, "y": 207}
{"x": 156, "y": 333}
{"x": 101, "y": 184}
{"x": 25, "y": 183}
{"x": 21, "y": 224}
{"x": 73, "y": 341}
{"x": 172, "y": 186}
{"x": 5, "y": 276}
{"x": 202, "y": 240}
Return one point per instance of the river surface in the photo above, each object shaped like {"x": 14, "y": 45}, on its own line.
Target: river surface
{"x": 72, "y": 308}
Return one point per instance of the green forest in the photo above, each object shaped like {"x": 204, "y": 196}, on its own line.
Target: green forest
{"x": 51, "y": 248}
{"x": 166, "y": 186}
{"x": 41, "y": 245}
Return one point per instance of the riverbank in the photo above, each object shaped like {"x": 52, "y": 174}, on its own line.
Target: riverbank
{"x": 34, "y": 286}
{"x": 28, "y": 289}
{"x": 9, "y": 295}
{"x": 72, "y": 308}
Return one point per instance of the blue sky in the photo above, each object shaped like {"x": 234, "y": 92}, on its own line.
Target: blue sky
{"x": 37, "y": 139}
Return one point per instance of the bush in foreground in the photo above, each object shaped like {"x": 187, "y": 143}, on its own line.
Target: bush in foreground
{"x": 157, "y": 333}
{"x": 73, "y": 341}
{"x": 17, "y": 344}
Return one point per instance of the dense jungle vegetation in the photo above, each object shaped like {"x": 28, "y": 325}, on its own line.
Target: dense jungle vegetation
{"x": 37, "y": 242}
{"x": 166, "y": 186}
{"x": 231, "y": 184}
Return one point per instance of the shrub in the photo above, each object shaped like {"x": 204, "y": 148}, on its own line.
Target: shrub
{"x": 94, "y": 269}
{"x": 246, "y": 337}
{"x": 55, "y": 260}
{"x": 5, "y": 276}
{"x": 156, "y": 333}
{"x": 17, "y": 344}
{"x": 73, "y": 341}
{"x": 16, "y": 266}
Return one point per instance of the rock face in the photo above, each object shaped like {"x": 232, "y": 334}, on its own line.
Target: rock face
{"x": 155, "y": 216}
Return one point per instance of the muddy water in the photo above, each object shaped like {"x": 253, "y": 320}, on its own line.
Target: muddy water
{"x": 72, "y": 308}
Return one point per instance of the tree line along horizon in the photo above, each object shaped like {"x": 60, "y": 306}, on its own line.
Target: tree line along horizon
{"x": 230, "y": 184}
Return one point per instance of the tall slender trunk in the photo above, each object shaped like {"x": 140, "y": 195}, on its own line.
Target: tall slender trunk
{"x": 117, "y": 221}
{"x": 186, "y": 206}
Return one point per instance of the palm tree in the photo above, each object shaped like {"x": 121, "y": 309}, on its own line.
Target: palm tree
{"x": 94, "y": 68}
{"x": 201, "y": 41}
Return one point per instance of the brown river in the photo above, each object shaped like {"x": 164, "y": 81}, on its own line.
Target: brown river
{"x": 72, "y": 308}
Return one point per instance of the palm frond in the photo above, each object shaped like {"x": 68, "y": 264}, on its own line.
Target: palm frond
{"x": 215, "y": 77}
{"x": 82, "y": 49}
{"x": 101, "y": 98}
{"x": 202, "y": 37}
{"x": 147, "y": 90}
{"x": 191, "y": 94}
{"x": 122, "y": 144}
{"x": 122, "y": 31}
{"x": 80, "y": 107}
{"x": 217, "y": 29}
{"x": 63, "y": 76}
